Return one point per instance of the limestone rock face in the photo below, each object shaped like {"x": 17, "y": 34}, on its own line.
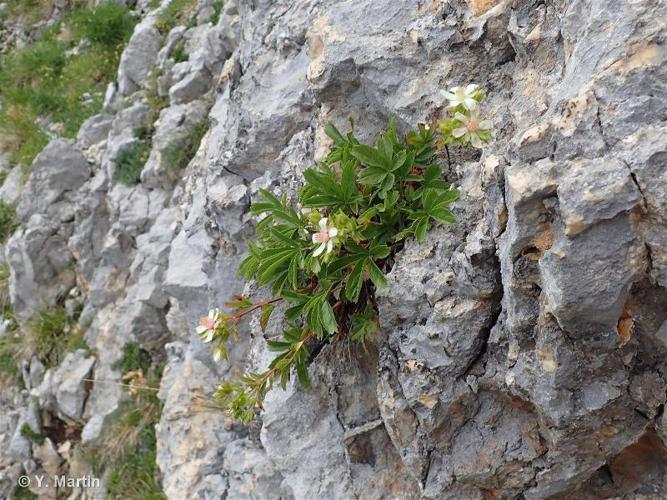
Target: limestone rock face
{"x": 523, "y": 350}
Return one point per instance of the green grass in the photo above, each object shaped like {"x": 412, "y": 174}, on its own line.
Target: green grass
{"x": 127, "y": 448}
{"x": 108, "y": 25}
{"x": 29, "y": 434}
{"x": 134, "y": 358}
{"x": 176, "y": 13}
{"x": 11, "y": 351}
{"x": 12, "y": 345}
{"x": 42, "y": 80}
{"x": 217, "y": 10}
{"x": 178, "y": 155}
{"x": 30, "y": 11}
{"x": 8, "y": 221}
{"x": 179, "y": 54}
{"x": 52, "y": 334}
{"x": 130, "y": 162}
{"x": 21, "y": 493}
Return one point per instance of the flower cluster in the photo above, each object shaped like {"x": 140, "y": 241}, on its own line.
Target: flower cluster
{"x": 325, "y": 260}
{"x": 466, "y": 124}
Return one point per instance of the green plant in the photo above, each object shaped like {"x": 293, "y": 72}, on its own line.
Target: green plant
{"x": 134, "y": 358}
{"x": 52, "y": 333}
{"x": 177, "y": 12}
{"x": 109, "y": 24}
{"x": 179, "y": 53}
{"x": 127, "y": 448}
{"x": 31, "y": 11}
{"x": 11, "y": 345}
{"x": 178, "y": 155}
{"x": 130, "y": 162}
{"x": 8, "y": 221}
{"x": 11, "y": 352}
{"x": 58, "y": 81}
{"x": 35, "y": 437}
{"x": 22, "y": 492}
{"x": 325, "y": 261}
{"x": 217, "y": 10}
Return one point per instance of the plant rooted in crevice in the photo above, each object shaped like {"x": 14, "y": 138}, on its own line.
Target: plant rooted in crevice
{"x": 325, "y": 259}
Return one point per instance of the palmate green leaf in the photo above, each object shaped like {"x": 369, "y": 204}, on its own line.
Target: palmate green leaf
{"x": 370, "y": 156}
{"x": 422, "y": 142}
{"x": 267, "y": 310}
{"x": 364, "y": 325}
{"x": 355, "y": 281}
{"x": 374, "y": 195}
{"x": 277, "y": 212}
{"x": 375, "y": 274}
{"x": 331, "y": 130}
{"x": 302, "y": 369}
{"x": 325, "y": 189}
{"x": 434, "y": 208}
{"x": 328, "y": 318}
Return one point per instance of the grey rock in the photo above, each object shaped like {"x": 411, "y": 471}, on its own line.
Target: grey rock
{"x": 40, "y": 265}
{"x": 57, "y": 172}
{"x": 94, "y": 130}
{"x": 71, "y": 378}
{"x": 139, "y": 57}
{"x": 522, "y": 351}
{"x": 10, "y": 191}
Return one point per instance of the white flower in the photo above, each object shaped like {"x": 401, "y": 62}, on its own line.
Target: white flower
{"x": 472, "y": 126}
{"x": 462, "y": 95}
{"x": 208, "y": 325}
{"x": 325, "y": 237}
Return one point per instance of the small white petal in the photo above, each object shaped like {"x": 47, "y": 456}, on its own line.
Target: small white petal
{"x": 329, "y": 246}
{"x": 323, "y": 223}
{"x": 486, "y": 125}
{"x": 209, "y": 336}
{"x": 475, "y": 140}
{"x": 470, "y": 103}
{"x": 212, "y": 314}
{"x": 316, "y": 237}
{"x": 217, "y": 356}
{"x": 471, "y": 88}
{"x": 333, "y": 232}
{"x": 448, "y": 95}
{"x": 461, "y": 117}
{"x": 319, "y": 249}
{"x": 459, "y": 132}
{"x": 201, "y": 329}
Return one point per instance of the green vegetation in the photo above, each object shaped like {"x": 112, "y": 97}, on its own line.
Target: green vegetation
{"x": 11, "y": 351}
{"x": 52, "y": 333}
{"x": 57, "y": 80}
{"x": 108, "y": 25}
{"x": 30, "y": 11}
{"x": 127, "y": 449}
{"x": 326, "y": 260}
{"x": 7, "y": 220}
{"x": 134, "y": 358}
{"x": 178, "y": 155}
{"x": 35, "y": 437}
{"x": 11, "y": 343}
{"x": 176, "y": 13}
{"x": 130, "y": 162}
{"x": 217, "y": 10}
{"x": 179, "y": 54}
{"x": 22, "y": 493}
